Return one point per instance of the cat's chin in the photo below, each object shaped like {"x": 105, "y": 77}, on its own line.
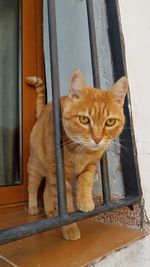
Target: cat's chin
{"x": 95, "y": 148}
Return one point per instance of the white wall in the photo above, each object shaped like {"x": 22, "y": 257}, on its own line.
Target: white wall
{"x": 135, "y": 20}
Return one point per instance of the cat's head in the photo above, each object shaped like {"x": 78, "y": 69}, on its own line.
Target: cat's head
{"x": 93, "y": 117}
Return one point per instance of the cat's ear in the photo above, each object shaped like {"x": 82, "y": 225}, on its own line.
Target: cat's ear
{"x": 76, "y": 84}
{"x": 120, "y": 89}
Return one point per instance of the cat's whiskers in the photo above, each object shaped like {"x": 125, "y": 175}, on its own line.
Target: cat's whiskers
{"x": 77, "y": 150}
{"x": 63, "y": 143}
{"x": 73, "y": 146}
{"x": 120, "y": 146}
{"x": 67, "y": 145}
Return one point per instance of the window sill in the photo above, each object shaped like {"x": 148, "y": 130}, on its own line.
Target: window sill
{"x": 98, "y": 240}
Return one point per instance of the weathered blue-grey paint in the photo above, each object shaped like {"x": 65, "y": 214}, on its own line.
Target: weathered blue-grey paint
{"x": 106, "y": 80}
{"x": 74, "y": 52}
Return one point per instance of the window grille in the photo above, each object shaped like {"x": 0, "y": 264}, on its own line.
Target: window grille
{"x": 132, "y": 185}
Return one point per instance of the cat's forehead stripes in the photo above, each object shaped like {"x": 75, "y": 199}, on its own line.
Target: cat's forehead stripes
{"x": 112, "y": 115}
{"x": 98, "y": 110}
{"x": 84, "y": 112}
{"x": 103, "y": 110}
{"x": 93, "y": 110}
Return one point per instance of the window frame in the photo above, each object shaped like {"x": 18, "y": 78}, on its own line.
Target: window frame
{"x": 32, "y": 63}
{"x": 133, "y": 194}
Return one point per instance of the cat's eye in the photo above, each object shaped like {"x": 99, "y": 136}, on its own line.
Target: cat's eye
{"x": 110, "y": 122}
{"x": 84, "y": 119}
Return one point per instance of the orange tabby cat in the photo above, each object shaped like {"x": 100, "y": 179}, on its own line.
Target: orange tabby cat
{"x": 91, "y": 118}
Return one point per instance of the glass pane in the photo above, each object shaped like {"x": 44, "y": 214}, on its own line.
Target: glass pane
{"x": 10, "y": 111}
{"x": 73, "y": 43}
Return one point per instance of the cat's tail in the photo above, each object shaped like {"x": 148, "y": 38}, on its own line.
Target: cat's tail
{"x": 38, "y": 84}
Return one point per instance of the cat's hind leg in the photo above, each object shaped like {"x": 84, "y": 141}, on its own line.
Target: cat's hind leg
{"x": 49, "y": 201}
{"x": 34, "y": 181}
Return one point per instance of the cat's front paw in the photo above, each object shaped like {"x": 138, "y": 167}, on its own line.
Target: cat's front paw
{"x": 85, "y": 206}
{"x": 33, "y": 210}
{"x": 71, "y": 232}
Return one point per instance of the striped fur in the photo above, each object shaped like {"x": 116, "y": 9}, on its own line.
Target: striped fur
{"x": 83, "y": 143}
{"x": 37, "y": 83}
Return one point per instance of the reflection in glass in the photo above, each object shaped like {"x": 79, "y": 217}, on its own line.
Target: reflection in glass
{"x": 10, "y": 111}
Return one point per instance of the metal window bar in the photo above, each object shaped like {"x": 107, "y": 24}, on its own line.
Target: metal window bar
{"x": 133, "y": 195}
{"x": 129, "y": 162}
{"x": 62, "y": 209}
{"x": 96, "y": 80}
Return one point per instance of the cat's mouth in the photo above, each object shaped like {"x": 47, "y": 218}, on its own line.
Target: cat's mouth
{"x": 95, "y": 146}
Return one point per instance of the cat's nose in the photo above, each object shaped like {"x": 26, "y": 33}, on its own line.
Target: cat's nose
{"x": 97, "y": 139}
